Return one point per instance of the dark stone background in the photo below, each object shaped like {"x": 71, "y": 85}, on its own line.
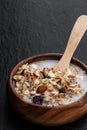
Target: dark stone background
{"x": 31, "y": 27}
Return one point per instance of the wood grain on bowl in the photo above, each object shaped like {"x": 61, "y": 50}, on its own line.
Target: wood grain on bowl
{"x": 60, "y": 115}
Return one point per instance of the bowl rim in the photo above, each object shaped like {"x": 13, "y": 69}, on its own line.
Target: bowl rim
{"x": 59, "y": 55}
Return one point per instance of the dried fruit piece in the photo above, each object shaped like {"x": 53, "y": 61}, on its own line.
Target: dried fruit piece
{"x": 18, "y": 77}
{"x": 62, "y": 91}
{"x": 41, "y": 89}
{"x": 38, "y": 100}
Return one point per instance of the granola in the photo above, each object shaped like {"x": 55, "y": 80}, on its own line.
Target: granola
{"x": 46, "y": 87}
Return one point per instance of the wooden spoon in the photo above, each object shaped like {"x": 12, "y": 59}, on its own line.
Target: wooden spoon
{"x": 78, "y": 31}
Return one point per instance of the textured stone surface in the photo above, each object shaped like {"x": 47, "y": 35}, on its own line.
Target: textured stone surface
{"x": 31, "y": 27}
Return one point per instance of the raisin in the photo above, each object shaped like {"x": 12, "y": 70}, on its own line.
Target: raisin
{"x": 38, "y": 100}
{"x": 62, "y": 91}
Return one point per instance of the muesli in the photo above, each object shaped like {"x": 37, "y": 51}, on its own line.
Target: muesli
{"x": 47, "y": 87}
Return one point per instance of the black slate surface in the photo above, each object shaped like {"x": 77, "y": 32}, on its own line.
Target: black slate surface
{"x": 31, "y": 27}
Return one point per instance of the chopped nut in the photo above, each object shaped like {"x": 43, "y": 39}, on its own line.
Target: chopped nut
{"x": 37, "y": 81}
{"x": 18, "y": 77}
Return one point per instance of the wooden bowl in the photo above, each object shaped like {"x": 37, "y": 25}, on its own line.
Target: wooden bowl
{"x": 60, "y": 115}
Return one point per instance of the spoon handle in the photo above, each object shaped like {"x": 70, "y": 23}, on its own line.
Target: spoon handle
{"x": 77, "y": 32}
